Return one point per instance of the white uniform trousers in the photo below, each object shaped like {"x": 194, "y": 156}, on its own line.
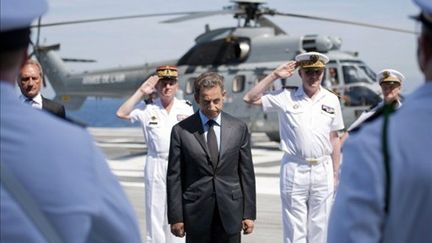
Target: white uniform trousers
{"x": 306, "y": 189}
{"x": 158, "y": 229}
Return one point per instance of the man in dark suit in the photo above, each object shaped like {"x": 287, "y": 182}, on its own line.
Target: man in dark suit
{"x": 30, "y": 83}
{"x": 210, "y": 177}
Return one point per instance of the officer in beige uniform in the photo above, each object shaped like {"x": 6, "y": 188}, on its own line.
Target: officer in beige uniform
{"x": 309, "y": 119}
{"x": 157, "y": 119}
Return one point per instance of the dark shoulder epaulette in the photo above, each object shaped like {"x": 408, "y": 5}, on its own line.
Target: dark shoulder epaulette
{"x": 148, "y": 101}
{"x": 373, "y": 106}
{"x": 188, "y": 102}
{"x": 378, "y": 113}
{"x": 290, "y": 87}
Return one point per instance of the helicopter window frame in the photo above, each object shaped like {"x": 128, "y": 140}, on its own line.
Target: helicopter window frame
{"x": 359, "y": 95}
{"x": 238, "y": 83}
{"x": 329, "y": 81}
{"x": 363, "y": 72}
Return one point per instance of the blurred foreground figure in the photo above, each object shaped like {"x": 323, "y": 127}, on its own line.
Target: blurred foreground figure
{"x": 385, "y": 193}
{"x": 55, "y": 184}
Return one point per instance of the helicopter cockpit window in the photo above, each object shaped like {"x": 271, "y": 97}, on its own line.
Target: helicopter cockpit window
{"x": 360, "y": 96}
{"x": 357, "y": 74}
{"x": 190, "y": 85}
{"x": 330, "y": 78}
{"x": 239, "y": 83}
{"x": 218, "y": 52}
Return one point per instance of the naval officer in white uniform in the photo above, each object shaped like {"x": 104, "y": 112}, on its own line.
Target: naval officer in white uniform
{"x": 55, "y": 183}
{"x": 390, "y": 81}
{"x": 157, "y": 118}
{"x": 385, "y": 193}
{"x": 309, "y": 120}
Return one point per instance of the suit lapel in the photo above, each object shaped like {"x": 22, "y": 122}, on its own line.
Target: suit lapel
{"x": 44, "y": 103}
{"x": 199, "y": 132}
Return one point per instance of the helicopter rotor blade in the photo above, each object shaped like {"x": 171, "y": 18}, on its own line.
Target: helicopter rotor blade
{"x": 71, "y": 22}
{"x": 78, "y": 60}
{"x": 236, "y": 11}
{"x": 38, "y": 30}
{"x": 201, "y": 14}
{"x": 265, "y": 22}
{"x": 340, "y": 21}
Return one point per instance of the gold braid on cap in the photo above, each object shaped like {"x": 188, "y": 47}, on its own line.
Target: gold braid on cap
{"x": 313, "y": 59}
{"x": 167, "y": 72}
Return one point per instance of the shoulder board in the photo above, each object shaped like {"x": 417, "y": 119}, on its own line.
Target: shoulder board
{"x": 290, "y": 87}
{"x": 148, "y": 101}
{"x": 187, "y": 102}
{"x": 373, "y": 106}
{"x": 378, "y": 113}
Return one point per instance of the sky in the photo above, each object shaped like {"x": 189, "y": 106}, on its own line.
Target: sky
{"x": 139, "y": 41}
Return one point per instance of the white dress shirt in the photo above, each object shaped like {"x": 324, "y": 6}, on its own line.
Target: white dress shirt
{"x": 35, "y": 102}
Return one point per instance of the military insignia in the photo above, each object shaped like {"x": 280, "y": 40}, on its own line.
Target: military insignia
{"x": 181, "y": 117}
{"x": 296, "y": 106}
{"x": 314, "y": 58}
{"x": 153, "y": 120}
{"x": 386, "y": 74}
{"x": 328, "y": 109}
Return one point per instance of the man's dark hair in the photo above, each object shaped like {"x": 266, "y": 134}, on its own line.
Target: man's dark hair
{"x": 206, "y": 81}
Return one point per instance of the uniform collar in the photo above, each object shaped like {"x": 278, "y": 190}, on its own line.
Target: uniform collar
{"x": 158, "y": 102}
{"x": 300, "y": 93}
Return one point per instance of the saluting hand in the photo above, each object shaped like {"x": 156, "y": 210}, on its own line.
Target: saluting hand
{"x": 285, "y": 70}
{"x": 148, "y": 86}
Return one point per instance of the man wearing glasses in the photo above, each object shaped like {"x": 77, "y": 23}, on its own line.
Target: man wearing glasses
{"x": 309, "y": 120}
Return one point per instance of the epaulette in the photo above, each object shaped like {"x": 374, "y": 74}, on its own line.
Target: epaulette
{"x": 148, "y": 101}
{"x": 378, "y": 113}
{"x": 373, "y": 106}
{"x": 290, "y": 87}
{"x": 187, "y": 102}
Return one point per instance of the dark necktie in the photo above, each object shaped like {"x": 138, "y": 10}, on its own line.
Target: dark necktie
{"x": 212, "y": 142}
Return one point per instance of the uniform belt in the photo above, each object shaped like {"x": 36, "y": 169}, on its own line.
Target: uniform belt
{"x": 158, "y": 155}
{"x": 308, "y": 160}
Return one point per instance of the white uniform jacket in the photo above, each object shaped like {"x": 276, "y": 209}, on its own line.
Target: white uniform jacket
{"x": 305, "y": 124}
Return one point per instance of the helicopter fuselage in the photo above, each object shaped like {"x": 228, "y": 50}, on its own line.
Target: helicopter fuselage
{"x": 243, "y": 55}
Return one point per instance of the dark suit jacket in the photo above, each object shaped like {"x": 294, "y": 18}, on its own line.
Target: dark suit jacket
{"x": 194, "y": 186}
{"x": 53, "y": 107}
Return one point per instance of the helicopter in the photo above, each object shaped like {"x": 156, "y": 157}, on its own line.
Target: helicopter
{"x": 243, "y": 54}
